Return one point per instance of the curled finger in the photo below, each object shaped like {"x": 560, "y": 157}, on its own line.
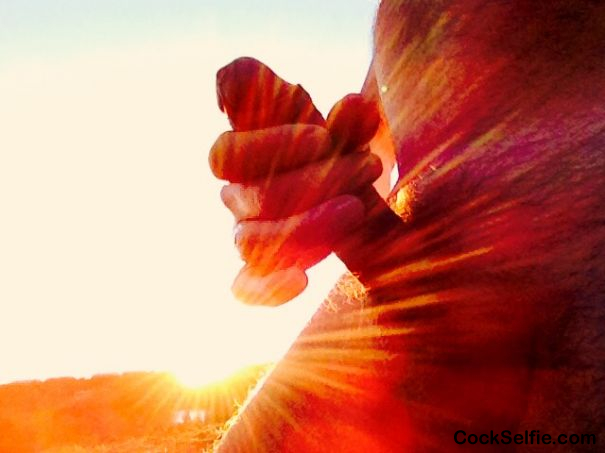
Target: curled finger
{"x": 302, "y": 239}
{"x": 293, "y": 192}
{"x": 249, "y": 155}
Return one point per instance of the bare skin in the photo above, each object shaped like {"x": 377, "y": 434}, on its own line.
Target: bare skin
{"x": 485, "y": 305}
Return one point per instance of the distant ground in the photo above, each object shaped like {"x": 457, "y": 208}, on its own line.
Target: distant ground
{"x": 127, "y": 413}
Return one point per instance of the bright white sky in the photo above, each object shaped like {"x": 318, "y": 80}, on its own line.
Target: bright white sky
{"x": 115, "y": 251}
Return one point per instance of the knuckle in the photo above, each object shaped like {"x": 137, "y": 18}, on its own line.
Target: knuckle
{"x": 217, "y": 154}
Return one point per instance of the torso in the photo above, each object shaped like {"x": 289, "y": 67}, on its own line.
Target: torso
{"x": 492, "y": 316}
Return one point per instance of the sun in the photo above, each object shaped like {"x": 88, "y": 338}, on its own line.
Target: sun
{"x": 237, "y": 336}
{"x": 195, "y": 376}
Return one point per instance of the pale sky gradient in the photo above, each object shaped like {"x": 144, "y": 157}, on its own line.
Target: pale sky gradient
{"x": 115, "y": 251}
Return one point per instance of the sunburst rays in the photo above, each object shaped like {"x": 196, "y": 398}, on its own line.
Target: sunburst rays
{"x": 489, "y": 186}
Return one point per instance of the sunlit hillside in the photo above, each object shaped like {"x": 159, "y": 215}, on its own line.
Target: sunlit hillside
{"x": 118, "y": 413}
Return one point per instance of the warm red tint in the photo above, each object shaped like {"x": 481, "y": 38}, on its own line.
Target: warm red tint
{"x": 485, "y": 308}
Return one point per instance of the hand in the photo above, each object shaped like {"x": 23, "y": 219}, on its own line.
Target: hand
{"x": 294, "y": 177}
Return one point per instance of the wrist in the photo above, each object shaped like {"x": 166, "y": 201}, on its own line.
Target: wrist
{"x": 363, "y": 250}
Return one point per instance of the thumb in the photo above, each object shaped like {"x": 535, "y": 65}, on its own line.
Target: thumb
{"x": 353, "y": 121}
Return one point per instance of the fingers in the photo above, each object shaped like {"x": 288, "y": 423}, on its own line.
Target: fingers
{"x": 300, "y": 240}
{"x": 294, "y": 180}
{"x": 298, "y": 190}
{"x": 353, "y": 121}
{"x": 246, "y": 156}
{"x": 275, "y": 288}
